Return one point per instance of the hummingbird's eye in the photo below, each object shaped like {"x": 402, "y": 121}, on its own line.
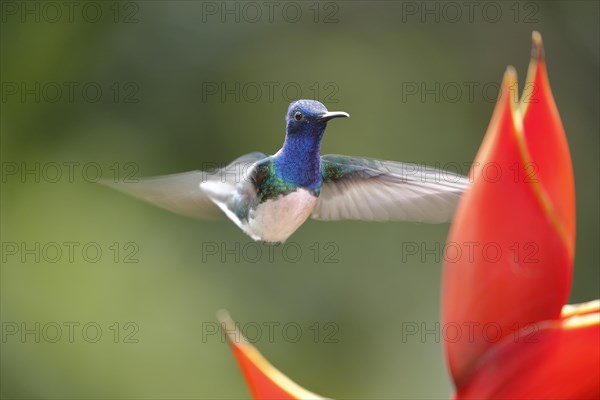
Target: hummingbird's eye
{"x": 297, "y": 115}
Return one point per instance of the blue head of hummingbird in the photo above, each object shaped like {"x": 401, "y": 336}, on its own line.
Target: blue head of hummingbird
{"x": 299, "y": 160}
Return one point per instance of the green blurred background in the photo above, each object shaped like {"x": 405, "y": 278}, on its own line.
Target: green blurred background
{"x": 154, "y": 62}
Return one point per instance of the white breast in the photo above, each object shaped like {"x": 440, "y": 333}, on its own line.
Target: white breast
{"x": 275, "y": 220}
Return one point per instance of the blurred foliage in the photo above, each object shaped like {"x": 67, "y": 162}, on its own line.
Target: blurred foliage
{"x": 165, "y": 58}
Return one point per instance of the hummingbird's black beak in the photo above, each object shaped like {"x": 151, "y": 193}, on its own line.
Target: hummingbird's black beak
{"x": 332, "y": 114}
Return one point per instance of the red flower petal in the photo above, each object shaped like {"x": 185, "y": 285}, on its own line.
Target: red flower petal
{"x": 547, "y": 146}
{"x": 263, "y": 379}
{"x": 515, "y": 261}
{"x": 561, "y": 360}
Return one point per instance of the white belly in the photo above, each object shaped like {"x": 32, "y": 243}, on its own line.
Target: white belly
{"x": 275, "y": 220}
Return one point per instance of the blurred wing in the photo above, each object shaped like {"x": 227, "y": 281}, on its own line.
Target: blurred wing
{"x": 374, "y": 190}
{"x": 181, "y": 193}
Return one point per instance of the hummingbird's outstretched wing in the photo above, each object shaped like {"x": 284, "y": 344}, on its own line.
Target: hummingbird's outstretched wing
{"x": 375, "y": 190}
{"x": 181, "y": 193}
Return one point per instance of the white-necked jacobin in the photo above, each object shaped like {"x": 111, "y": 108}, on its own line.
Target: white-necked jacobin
{"x": 269, "y": 197}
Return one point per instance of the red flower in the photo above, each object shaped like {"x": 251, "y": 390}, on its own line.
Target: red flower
{"x": 509, "y": 293}
{"x": 264, "y": 380}
{"x": 505, "y": 295}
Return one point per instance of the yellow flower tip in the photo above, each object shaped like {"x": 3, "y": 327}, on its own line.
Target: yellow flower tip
{"x": 223, "y": 315}
{"x": 537, "y": 48}
{"x": 581, "y": 321}
{"x": 229, "y": 327}
{"x": 510, "y": 76}
{"x": 510, "y": 86}
{"x": 224, "y": 318}
{"x": 570, "y": 310}
{"x": 537, "y": 59}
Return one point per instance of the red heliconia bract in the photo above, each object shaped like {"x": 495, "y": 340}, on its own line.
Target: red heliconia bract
{"x": 558, "y": 359}
{"x": 264, "y": 380}
{"x": 516, "y": 239}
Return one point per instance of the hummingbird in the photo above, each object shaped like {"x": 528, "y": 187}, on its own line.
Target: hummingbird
{"x": 270, "y": 196}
